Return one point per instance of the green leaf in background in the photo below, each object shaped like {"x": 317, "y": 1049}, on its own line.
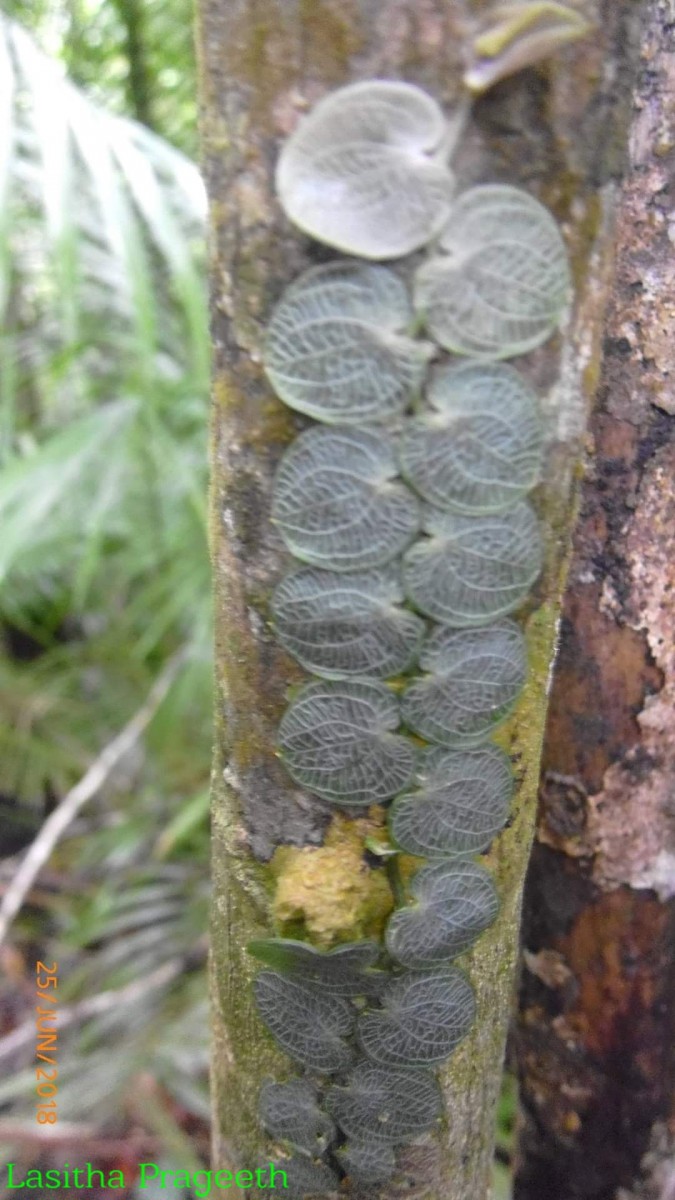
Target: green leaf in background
{"x": 104, "y": 572}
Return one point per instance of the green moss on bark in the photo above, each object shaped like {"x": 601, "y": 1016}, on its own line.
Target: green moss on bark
{"x": 262, "y": 62}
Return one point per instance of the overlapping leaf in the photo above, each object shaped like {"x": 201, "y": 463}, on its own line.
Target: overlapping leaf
{"x": 476, "y": 676}
{"x": 454, "y": 903}
{"x": 382, "y": 1104}
{"x": 303, "y": 1178}
{"x": 337, "y": 740}
{"x": 292, "y": 1113}
{"x": 512, "y": 35}
{"x": 364, "y": 171}
{"x": 336, "y": 347}
{"x": 367, "y": 1162}
{"x": 501, "y": 285}
{"x": 337, "y": 625}
{"x": 342, "y": 971}
{"x": 461, "y": 805}
{"x": 424, "y": 1016}
{"x": 471, "y": 570}
{"x": 479, "y": 450}
{"x": 308, "y": 1024}
{"x": 336, "y": 502}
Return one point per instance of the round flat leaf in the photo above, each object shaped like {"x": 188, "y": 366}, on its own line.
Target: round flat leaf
{"x": 476, "y": 677}
{"x": 359, "y": 173}
{"x": 471, "y": 570}
{"x": 336, "y": 502}
{"x": 480, "y": 449}
{"x": 462, "y": 803}
{"x": 337, "y": 625}
{"x": 342, "y": 971}
{"x": 512, "y": 35}
{"x": 308, "y": 1024}
{"x": 336, "y": 740}
{"x": 454, "y": 902}
{"x": 304, "y": 1178}
{"x": 383, "y": 1104}
{"x": 335, "y": 346}
{"x": 502, "y": 282}
{"x": 424, "y": 1016}
{"x": 291, "y": 1113}
{"x": 365, "y": 1161}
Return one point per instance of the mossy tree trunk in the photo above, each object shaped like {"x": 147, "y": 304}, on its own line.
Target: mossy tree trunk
{"x": 596, "y": 1036}
{"x": 558, "y": 130}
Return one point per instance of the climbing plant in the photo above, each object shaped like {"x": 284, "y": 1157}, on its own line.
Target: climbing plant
{"x": 340, "y": 347}
{"x": 299, "y": 850}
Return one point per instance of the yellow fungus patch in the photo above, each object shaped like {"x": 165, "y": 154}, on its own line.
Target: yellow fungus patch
{"x": 331, "y": 893}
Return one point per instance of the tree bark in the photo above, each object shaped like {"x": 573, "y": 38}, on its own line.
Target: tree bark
{"x": 595, "y": 1041}
{"x": 559, "y": 131}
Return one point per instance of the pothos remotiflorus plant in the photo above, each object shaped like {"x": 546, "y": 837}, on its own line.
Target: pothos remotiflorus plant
{"x": 405, "y": 506}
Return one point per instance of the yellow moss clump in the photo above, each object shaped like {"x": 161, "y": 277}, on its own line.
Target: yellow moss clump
{"x": 329, "y": 893}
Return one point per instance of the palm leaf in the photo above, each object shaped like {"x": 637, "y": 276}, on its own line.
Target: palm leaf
{"x": 111, "y": 221}
{"x": 103, "y": 561}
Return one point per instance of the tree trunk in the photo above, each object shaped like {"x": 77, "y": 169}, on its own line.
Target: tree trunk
{"x": 560, "y": 131}
{"x": 595, "y": 1042}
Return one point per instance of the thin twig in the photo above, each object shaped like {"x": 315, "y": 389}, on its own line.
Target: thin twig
{"x": 88, "y": 787}
{"x": 94, "y": 1006}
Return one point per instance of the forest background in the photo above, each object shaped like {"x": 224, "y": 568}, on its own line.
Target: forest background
{"x": 104, "y": 578}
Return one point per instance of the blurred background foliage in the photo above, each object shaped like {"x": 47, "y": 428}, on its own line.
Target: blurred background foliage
{"x": 134, "y": 58}
{"x": 104, "y": 573}
{"x": 104, "y": 576}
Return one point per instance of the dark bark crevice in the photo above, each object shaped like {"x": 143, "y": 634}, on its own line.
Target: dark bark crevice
{"x": 596, "y": 1052}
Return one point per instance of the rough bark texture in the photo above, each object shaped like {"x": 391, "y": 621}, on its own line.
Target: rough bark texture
{"x": 595, "y": 1042}
{"x": 558, "y": 130}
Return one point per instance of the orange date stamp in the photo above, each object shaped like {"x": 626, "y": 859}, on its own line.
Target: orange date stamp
{"x": 46, "y": 1041}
